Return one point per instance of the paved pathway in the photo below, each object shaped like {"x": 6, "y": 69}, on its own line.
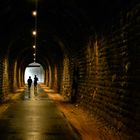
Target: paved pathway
{"x": 35, "y": 117}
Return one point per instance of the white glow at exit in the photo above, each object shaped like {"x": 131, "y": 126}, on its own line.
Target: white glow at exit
{"x": 34, "y": 69}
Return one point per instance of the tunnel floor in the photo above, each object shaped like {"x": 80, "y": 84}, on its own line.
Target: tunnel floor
{"x": 47, "y": 115}
{"x": 34, "y": 116}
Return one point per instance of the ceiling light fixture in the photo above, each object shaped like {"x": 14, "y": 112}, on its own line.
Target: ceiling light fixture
{"x": 34, "y": 13}
{"x": 34, "y": 33}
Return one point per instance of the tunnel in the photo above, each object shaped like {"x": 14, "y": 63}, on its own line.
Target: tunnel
{"x": 88, "y": 51}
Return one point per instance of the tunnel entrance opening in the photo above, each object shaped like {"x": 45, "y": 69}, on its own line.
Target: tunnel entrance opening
{"x": 34, "y": 69}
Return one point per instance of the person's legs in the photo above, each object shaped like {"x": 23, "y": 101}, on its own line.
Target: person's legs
{"x": 35, "y": 86}
{"x": 35, "y": 89}
{"x": 29, "y": 86}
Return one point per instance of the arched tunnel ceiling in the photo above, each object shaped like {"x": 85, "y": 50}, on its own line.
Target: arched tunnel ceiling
{"x": 70, "y": 21}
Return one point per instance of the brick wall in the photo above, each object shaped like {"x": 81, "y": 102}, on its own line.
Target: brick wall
{"x": 65, "y": 70}
{"x": 19, "y": 83}
{"x": 15, "y": 74}
{"x": 109, "y": 75}
{"x": 55, "y": 83}
{"x": 4, "y": 78}
{"x": 1, "y": 70}
{"x": 46, "y": 78}
{"x": 4, "y": 74}
{"x": 5, "y": 83}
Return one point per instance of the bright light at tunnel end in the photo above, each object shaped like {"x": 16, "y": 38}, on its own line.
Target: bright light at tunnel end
{"x": 34, "y": 69}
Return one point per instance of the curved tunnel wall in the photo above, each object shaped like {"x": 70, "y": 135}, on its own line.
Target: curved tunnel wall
{"x": 117, "y": 77}
{"x": 103, "y": 76}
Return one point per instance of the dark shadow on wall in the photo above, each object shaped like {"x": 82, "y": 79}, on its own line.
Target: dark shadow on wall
{"x": 74, "y": 84}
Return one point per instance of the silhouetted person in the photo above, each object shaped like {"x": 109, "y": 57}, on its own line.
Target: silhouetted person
{"x": 29, "y": 81}
{"x": 35, "y": 82}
